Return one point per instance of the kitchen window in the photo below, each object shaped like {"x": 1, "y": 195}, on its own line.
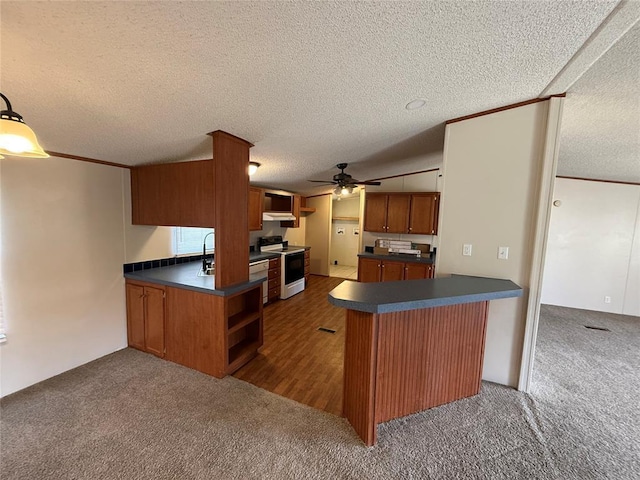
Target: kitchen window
{"x": 189, "y": 240}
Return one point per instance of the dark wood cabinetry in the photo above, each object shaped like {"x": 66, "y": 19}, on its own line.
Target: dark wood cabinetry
{"x": 255, "y": 208}
{"x": 415, "y": 213}
{"x": 243, "y": 314}
{"x": 275, "y": 273}
{"x": 209, "y": 333}
{"x": 145, "y": 317}
{"x": 423, "y": 218}
{"x": 417, "y": 271}
{"x": 173, "y": 194}
{"x": 375, "y": 270}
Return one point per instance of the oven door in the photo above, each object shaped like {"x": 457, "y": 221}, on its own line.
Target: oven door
{"x": 293, "y": 267}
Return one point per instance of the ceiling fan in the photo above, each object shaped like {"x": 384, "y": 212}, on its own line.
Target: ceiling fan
{"x": 344, "y": 182}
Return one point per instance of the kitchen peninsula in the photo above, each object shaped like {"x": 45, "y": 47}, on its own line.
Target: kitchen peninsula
{"x": 412, "y": 345}
{"x": 179, "y": 315}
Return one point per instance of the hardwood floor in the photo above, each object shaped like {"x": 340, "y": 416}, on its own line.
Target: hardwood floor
{"x": 298, "y": 361}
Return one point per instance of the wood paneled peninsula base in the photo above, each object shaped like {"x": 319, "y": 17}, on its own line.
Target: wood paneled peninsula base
{"x": 412, "y": 345}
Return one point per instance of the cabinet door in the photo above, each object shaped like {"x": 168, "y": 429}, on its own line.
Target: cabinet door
{"x": 392, "y": 271}
{"x": 398, "y": 213}
{"x": 193, "y": 184}
{"x": 368, "y": 270}
{"x": 255, "y": 208}
{"x": 424, "y": 214}
{"x": 135, "y": 316}
{"x": 154, "y": 201}
{"x": 416, "y": 271}
{"x": 154, "y": 320}
{"x": 375, "y": 212}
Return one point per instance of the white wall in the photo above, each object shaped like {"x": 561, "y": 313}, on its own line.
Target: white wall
{"x": 416, "y": 182}
{"x": 296, "y": 236}
{"x": 62, "y": 256}
{"x": 593, "y": 249}
{"x": 344, "y": 248}
{"x": 491, "y": 175}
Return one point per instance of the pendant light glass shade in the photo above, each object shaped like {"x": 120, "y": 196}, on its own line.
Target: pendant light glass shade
{"x": 253, "y": 167}
{"x": 16, "y": 138}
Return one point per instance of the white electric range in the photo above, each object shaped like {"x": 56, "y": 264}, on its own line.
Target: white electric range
{"x": 292, "y": 277}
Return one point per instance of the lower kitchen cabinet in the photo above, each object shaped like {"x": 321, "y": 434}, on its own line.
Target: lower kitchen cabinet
{"x": 417, "y": 271}
{"x": 145, "y": 317}
{"x": 376, "y": 270}
{"x": 275, "y": 274}
{"x": 213, "y": 334}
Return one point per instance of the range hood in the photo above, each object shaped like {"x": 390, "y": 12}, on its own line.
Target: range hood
{"x": 277, "y": 216}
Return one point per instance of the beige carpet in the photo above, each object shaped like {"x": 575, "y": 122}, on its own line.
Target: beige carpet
{"x": 132, "y": 416}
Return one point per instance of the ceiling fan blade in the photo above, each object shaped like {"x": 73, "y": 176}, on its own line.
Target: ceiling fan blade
{"x": 326, "y": 182}
{"x": 367, "y": 183}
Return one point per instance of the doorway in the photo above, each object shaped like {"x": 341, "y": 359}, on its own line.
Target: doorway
{"x": 345, "y": 236}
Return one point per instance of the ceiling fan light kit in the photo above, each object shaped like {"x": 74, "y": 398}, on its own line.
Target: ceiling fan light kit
{"x": 345, "y": 183}
{"x": 16, "y": 138}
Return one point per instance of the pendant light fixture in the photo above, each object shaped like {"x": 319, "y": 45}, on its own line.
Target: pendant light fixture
{"x": 253, "y": 167}
{"x": 16, "y": 138}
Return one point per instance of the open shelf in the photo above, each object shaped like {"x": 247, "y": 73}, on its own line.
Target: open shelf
{"x": 348, "y": 219}
{"x": 307, "y": 209}
{"x": 241, "y": 320}
{"x": 240, "y": 353}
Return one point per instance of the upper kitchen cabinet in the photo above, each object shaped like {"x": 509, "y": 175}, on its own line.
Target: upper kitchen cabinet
{"x": 173, "y": 194}
{"x": 423, "y": 217}
{"x": 387, "y": 212}
{"x": 255, "y": 208}
{"x": 415, "y": 213}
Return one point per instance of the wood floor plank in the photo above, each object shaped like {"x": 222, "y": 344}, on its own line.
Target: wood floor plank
{"x": 297, "y": 360}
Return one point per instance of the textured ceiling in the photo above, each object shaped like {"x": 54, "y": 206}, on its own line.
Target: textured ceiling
{"x": 311, "y": 84}
{"x": 601, "y": 119}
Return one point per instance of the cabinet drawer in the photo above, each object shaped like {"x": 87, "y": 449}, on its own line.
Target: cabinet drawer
{"x": 274, "y": 263}
{"x": 274, "y": 283}
{"x": 274, "y": 273}
{"x": 274, "y": 293}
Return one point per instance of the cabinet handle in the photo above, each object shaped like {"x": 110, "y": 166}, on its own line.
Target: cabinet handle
{"x": 410, "y": 229}
{"x": 383, "y": 266}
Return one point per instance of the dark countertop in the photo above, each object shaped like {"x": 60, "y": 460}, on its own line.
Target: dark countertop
{"x": 398, "y": 257}
{"x": 186, "y": 276}
{"x": 384, "y": 297}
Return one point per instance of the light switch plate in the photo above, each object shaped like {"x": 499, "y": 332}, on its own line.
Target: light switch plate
{"x": 503, "y": 253}
{"x": 466, "y": 250}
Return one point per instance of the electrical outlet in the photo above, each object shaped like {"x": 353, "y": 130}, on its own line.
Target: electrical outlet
{"x": 503, "y": 253}
{"x": 607, "y": 299}
{"x": 466, "y": 250}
